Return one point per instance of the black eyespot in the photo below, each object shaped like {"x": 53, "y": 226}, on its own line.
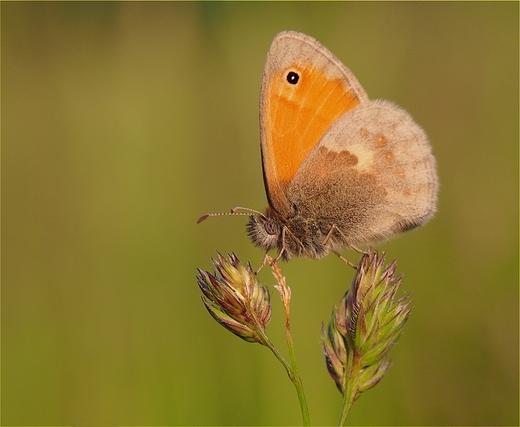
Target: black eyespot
{"x": 292, "y": 77}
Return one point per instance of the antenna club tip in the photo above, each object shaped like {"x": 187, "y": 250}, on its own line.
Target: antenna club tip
{"x": 202, "y": 218}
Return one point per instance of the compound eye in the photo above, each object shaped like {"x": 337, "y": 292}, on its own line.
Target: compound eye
{"x": 271, "y": 227}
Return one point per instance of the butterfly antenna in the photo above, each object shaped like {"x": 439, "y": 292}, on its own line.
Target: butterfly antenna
{"x": 232, "y": 213}
{"x": 237, "y": 208}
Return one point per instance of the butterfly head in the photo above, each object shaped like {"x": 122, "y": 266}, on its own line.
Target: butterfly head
{"x": 265, "y": 230}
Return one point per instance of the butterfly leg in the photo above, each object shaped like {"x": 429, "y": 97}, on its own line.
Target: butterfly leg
{"x": 272, "y": 261}
{"x": 267, "y": 259}
{"x": 264, "y": 261}
{"x": 350, "y": 245}
{"x": 359, "y": 251}
{"x": 283, "y": 247}
{"x": 346, "y": 261}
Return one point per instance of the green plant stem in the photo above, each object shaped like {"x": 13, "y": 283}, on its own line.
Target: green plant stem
{"x": 350, "y": 392}
{"x": 292, "y": 372}
{"x": 292, "y": 369}
{"x": 296, "y": 377}
{"x": 348, "y": 401}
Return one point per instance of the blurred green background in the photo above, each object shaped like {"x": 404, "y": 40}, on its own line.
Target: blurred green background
{"x": 122, "y": 123}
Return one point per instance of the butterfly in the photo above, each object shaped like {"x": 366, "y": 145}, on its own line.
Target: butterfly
{"x": 340, "y": 170}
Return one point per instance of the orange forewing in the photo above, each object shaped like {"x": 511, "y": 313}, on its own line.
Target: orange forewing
{"x": 295, "y": 119}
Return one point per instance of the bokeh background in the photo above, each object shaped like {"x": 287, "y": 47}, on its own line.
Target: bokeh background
{"x": 122, "y": 123}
